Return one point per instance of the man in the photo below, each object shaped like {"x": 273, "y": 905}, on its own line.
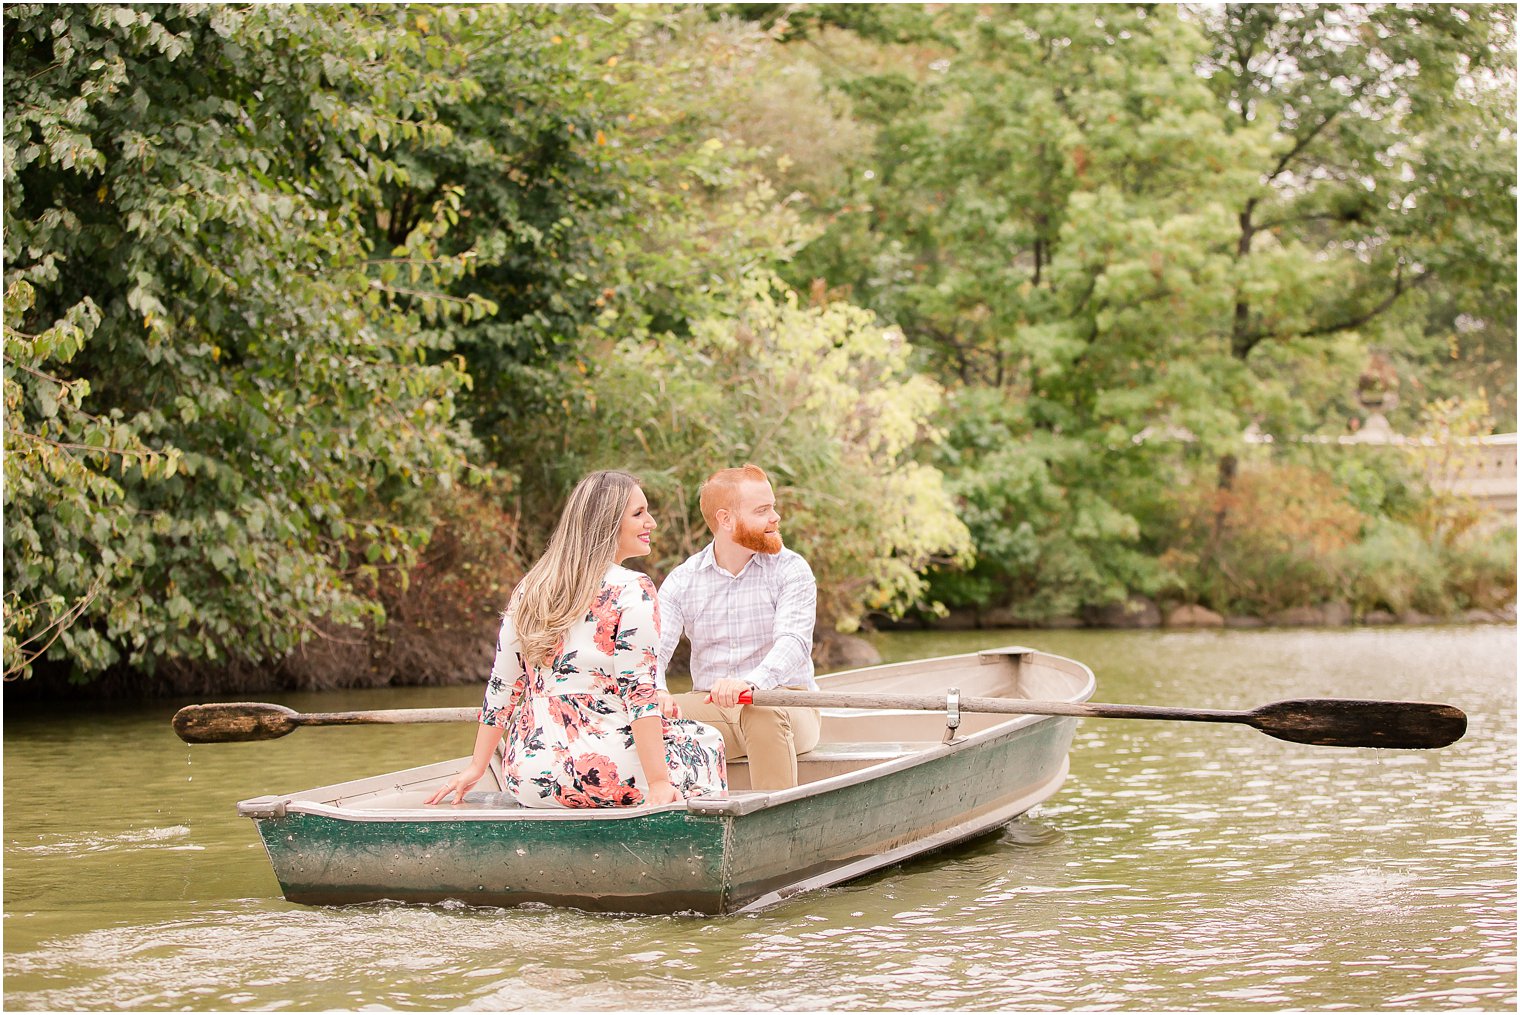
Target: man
{"x": 747, "y": 605}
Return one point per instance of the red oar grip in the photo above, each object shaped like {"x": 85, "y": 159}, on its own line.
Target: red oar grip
{"x": 746, "y": 697}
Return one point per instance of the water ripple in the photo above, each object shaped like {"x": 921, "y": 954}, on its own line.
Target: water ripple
{"x": 135, "y": 839}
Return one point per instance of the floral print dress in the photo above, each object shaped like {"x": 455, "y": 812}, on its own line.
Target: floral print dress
{"x": 569, "y": 724}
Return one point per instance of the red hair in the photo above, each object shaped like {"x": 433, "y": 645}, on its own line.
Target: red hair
{"x": 721, "y": 490}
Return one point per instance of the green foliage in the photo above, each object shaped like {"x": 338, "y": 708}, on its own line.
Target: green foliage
{"x": 1398, "y": 567}
{"x": 791, "y": 22}
{"x": 1159, "y": 225}
{"x": 1277, "y": 537}
{"x": 1060, "y": 191}
{"x": 821, "y": 397}
{"x": 1480, "y": 569}
{"x": 1395, "y": 568}
{"x": 1391, "y": 168}
{"x": 596, "y": 191}
{"x": 1043, "y": 545}
{"x": 219, "y": 412}
{"x": 531, "y": 147}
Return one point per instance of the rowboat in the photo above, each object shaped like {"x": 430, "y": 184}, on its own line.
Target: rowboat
{"x": 882, "y": 786}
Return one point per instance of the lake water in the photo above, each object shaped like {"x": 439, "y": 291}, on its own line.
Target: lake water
{"x": 1182, "y": 865}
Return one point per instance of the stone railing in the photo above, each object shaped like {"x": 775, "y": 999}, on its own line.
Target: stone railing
{"x": 1478, "y": 469}
{"x": 1482, "y": 470}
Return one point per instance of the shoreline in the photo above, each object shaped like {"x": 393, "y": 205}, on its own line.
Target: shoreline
{"x": 832, "y": 651}
{"x": 1141, "y": 614}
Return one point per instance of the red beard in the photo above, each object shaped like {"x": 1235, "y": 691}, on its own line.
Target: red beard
{"x": 757, "y": 539}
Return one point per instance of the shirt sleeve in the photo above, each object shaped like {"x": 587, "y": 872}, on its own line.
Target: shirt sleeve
{"x": 791, "y": 654}
{"x": 672, "y": 621}
{"x": 508, "y": 677}
{"x": 637, "y": 644}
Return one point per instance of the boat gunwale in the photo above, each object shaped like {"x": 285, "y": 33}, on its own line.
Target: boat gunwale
{"x": 273, "y": 805}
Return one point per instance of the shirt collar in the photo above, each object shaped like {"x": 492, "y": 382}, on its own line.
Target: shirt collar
{"x": 708, "y": 558}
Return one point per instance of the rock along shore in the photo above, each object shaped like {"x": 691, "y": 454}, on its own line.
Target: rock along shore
{"x": 1141, "y": 612}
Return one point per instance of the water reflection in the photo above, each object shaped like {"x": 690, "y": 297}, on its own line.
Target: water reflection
{"x": 1182, "y": 866}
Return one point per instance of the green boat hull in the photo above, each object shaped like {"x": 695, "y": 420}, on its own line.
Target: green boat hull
{"x": 671, "y": 857}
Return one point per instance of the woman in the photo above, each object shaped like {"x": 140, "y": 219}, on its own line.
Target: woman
{"x": 573, "y": 683}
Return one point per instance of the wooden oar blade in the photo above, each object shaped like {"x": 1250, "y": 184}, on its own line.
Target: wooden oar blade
{"x": 1352, "y": 722}
{"x": 233, "y": 722}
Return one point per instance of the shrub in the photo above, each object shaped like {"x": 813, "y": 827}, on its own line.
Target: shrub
{"x": 215, "y": 385}
{"x": 436, "y": 621}
{"x": 1481, "y": 570}
{"x": 1395, "y": 568}
{"x": 1283, "y": 541}
{"x": 820, "y": 397}
{"x": 1050, "y": 529}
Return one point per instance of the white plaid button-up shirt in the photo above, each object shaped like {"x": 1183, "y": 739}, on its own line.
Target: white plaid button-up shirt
{"x": 756, "y": 625}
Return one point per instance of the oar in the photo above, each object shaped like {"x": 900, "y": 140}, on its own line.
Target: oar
{"x": 238, "y": 721}
{"x": 1328, "y": 722}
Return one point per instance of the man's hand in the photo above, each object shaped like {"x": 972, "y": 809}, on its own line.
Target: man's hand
{"x": 725, "y": 693}
{"x": 668, "y": 707}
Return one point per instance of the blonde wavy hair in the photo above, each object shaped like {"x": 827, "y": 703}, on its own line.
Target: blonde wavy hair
{"x": 558, "y": 590}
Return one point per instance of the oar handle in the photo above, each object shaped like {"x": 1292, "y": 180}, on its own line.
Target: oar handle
{"x": 1006, "y": 706}
{"x": 396, "y": 716}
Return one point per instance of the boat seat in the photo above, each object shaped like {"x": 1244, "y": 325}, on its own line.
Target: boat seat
{"x": 867, "y": 750}
{"x": 837, "y": 758}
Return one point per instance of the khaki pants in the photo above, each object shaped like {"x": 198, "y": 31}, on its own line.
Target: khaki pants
{"x": 771, "y": 738}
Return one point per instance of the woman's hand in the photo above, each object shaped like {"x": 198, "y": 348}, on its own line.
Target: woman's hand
{"x": 460, "y": 785}
{"x": 668, "y": 707}
{"x": 661, "y": 793}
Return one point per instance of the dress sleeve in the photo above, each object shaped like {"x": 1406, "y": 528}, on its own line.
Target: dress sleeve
{"x": 637, "y": 645}
{"x": 508, "y": 676}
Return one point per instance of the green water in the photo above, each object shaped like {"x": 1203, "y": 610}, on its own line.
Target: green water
{"x": 1182, "y": 866}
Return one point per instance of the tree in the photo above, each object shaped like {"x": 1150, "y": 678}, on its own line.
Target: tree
{"x": 1388, "y": 169}
{"x": 597, "y": 192}
{"x": 1060, "y": 182}
{"x": 1389, "y": 154}
{"x": 218, "y": 414}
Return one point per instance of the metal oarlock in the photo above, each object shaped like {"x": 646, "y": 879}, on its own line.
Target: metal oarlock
{"x": 952, "y": 713}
